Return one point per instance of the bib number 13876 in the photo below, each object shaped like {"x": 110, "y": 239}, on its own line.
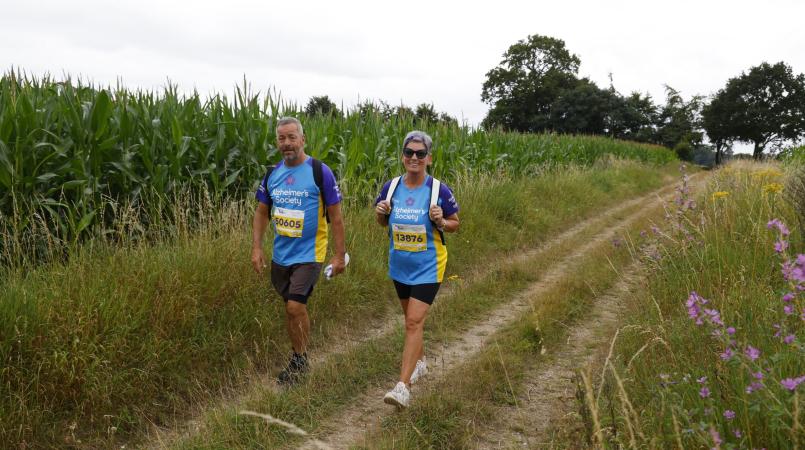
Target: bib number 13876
{"x": 409, "y": 238}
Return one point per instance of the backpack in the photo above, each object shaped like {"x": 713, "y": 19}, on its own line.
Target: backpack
{"x": 434, "y": 198}
{"x": 318, "y": 178}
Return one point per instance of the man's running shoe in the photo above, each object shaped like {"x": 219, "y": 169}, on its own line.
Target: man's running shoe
{"x": 296, "y": 367}
{"x": 420, "y": 370}
{"x": 399, "y": 396}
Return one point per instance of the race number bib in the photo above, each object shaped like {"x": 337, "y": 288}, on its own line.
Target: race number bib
{"x": 409, "y": 238}
{"x": 289, "y": 222}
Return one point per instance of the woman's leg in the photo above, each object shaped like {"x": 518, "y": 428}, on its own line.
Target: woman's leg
{"x": 413, "y": 349}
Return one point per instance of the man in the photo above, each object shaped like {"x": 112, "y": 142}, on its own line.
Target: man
{"x": 297, "y": 204}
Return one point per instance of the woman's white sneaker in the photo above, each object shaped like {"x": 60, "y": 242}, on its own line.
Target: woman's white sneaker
{"x": 420, "y": 370}
{"x": 399, "y": 396}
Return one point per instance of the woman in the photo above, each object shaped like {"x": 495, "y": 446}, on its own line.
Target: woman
{"x": 418, "y": 210}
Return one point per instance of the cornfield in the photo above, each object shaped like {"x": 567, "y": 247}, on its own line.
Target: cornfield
{"x": 73, "y": 155}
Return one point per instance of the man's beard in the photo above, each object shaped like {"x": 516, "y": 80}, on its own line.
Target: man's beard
{"x": 290, "y": 157}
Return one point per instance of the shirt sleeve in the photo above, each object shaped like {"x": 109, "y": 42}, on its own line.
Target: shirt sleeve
{"x": 331, "y": 194}
{"x": 383, "y": 192}
{"x": 262, "y": 195}
{"x": 447, "y": 201}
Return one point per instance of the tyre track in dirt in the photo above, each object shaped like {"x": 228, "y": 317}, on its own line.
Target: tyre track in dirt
{"x": 548, "y": 396}
{"x": 367, "y": 411}
{"x": 161, "y": 437}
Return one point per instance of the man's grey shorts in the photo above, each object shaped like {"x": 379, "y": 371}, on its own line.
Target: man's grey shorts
{"x": 295, "y": 282}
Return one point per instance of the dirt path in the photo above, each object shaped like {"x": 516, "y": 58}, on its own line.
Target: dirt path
{"x": 548, "y": 396}
{"x": 440, "y": 361}
{"x": 367, "y": 411}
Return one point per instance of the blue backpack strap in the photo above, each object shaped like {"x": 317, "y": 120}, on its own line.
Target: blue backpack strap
{"x": 265, "y": 186}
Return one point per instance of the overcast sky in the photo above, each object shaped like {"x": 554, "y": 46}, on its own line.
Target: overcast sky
{"x": 406, "y": 52}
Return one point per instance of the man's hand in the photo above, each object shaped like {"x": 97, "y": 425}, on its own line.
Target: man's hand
{"x": 258, "y": 260}
{"x": 338, "y": 264}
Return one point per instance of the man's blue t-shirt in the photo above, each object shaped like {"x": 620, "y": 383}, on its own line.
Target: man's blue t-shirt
{"x": 415, "y": 255}
{"x": 300, "y": 229}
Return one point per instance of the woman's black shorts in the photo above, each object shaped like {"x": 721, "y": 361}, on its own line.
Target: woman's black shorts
{"x": 423, "y": 292}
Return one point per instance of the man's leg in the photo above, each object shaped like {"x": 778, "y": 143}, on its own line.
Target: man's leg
{"x": 298, "y": 325}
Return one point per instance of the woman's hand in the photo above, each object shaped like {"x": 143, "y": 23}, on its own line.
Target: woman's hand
{"x": 383, "y": 207}
{"x": 437, "y": 216}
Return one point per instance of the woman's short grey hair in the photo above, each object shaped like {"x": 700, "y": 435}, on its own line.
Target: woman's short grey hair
{"x": 289, "y": 120}
{"x": 418, "y": 136}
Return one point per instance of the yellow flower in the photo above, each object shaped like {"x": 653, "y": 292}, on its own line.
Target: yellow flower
{"x": 773, "y": 188}
{"x": 453, "y": 278}
{"x": 720, "y": 194}
{"x": 767, "y": 173}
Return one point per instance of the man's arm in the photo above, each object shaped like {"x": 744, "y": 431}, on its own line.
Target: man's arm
{"x": 259, "y": 225}
{"x": 339, "y": 238}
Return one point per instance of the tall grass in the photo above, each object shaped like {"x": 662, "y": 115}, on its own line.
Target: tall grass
{"x": 119, "y": 336}
{"x": 72, "y": 154}
{"x": 712, "y": 352}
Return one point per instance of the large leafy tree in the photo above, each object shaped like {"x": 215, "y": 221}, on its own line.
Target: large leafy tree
{"x": 531, "y": 77}
{"x": 321, "y": 105}
{"x": 585, "y": 109}
{"x": 635, "y": 118}
{"x": 765, "y": 106}
{"x": 679, "y": 124}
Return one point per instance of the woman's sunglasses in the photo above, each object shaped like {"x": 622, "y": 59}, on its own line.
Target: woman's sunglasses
{"x": 420, "y": 154}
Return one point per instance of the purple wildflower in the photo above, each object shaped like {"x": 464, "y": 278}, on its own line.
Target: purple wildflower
{"x": 737, "y": 433}
{"x": 731, "y": 331}
{"x": 702, "y": 380}
{"x": 716, "y": 437}
{"x": 643, "y": 233}
{"x": 755, "y": 386}
{"x": 776, "y": 326}
{"x": 775, "y": 223}
{"x": 714, "y": 316}
{"x": 788, "y": 270}
{"x": 798, "y": 274}
{"x": 704, "y": 392}
{"x": 780, "y": 246}
{"x": 788, "y": 297}
{"x": 758, "y": 375}
{"x": 788, "y": 310}
{"x": 752, "y": 353}
{"x": 728, "y": 353}
{"x": 789, "y": 339}
{"x": 792, "y": 383}
{"x": 801, "y": 260}
{"x": 729, "y": 414}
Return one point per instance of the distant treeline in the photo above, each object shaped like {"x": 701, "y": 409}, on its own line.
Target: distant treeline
{"x": 536, "y": 88}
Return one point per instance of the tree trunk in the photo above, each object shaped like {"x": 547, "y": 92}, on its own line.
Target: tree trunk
{"x": 758, "y": 151}
{"x": 719, "y": 146}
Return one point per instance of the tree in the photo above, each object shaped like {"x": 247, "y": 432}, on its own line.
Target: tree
{"x": 321, "y": 106}
{"x": 679, "y": 125}
{"x": 635, "y": 118}
{"x": 584, "y": 109}
{"x": 718, "y": 126}
{"x": 425, "y": 112}
{"x": 529, "y": 79}
{"x": 765, "y": 107}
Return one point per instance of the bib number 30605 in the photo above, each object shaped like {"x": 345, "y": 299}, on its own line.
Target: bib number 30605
{"x": 409, "y": 238}
{"x": 289, "y": 222}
